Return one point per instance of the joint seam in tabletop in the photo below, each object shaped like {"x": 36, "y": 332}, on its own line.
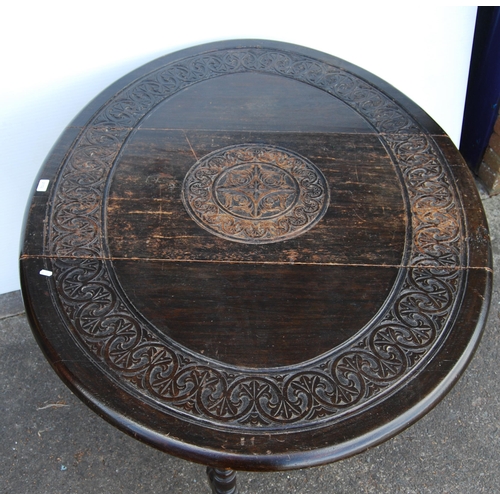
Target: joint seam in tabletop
{"x": 253, "y": 263}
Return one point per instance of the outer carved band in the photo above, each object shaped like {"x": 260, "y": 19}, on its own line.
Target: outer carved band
{"x": 347, "y": 379}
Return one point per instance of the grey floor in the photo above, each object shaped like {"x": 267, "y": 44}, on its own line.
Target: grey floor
{"x": 52, "y": 443}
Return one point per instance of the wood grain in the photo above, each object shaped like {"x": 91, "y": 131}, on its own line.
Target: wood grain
{"x": 186, "y": 328}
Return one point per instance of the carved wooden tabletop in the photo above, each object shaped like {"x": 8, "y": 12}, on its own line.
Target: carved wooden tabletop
{"x": 256, "y": 256}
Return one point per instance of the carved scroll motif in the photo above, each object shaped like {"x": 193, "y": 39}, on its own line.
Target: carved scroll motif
{"x": 350, "y": 377}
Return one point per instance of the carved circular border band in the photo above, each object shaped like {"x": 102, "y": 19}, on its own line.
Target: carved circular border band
{"x": 344, "y": 381}
{"x": 250, "y": 179}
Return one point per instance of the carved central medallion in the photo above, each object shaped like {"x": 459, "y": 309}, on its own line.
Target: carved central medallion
{"x": 254, "y": 193}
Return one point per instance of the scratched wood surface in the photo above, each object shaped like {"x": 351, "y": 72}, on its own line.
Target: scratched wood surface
{"x": 256, "y": 256}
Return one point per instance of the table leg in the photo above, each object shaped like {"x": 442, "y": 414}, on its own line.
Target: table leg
{"x": 222, "y": 480}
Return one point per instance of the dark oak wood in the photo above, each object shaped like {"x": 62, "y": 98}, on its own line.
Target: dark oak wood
{"x": 256, "y": 256}
{"x": 222, "y": 481}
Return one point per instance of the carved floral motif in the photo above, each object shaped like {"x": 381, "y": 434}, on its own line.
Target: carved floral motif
{"x": 253, "y": 193}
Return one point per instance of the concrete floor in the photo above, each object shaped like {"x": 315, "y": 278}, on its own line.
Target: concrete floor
{"x": 52, "y": 443}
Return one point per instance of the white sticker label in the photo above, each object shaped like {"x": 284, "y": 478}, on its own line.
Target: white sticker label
{"x": 45, "y": 272}
{"x": 43, "y": 184}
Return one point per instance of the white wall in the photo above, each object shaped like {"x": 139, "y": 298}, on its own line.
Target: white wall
{"x": 56, "y": 56}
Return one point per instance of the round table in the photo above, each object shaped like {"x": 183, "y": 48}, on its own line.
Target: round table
{"x": 256, "y": 256}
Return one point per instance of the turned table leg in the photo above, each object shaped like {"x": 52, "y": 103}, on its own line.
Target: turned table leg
{"x": 222, "y": 480}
